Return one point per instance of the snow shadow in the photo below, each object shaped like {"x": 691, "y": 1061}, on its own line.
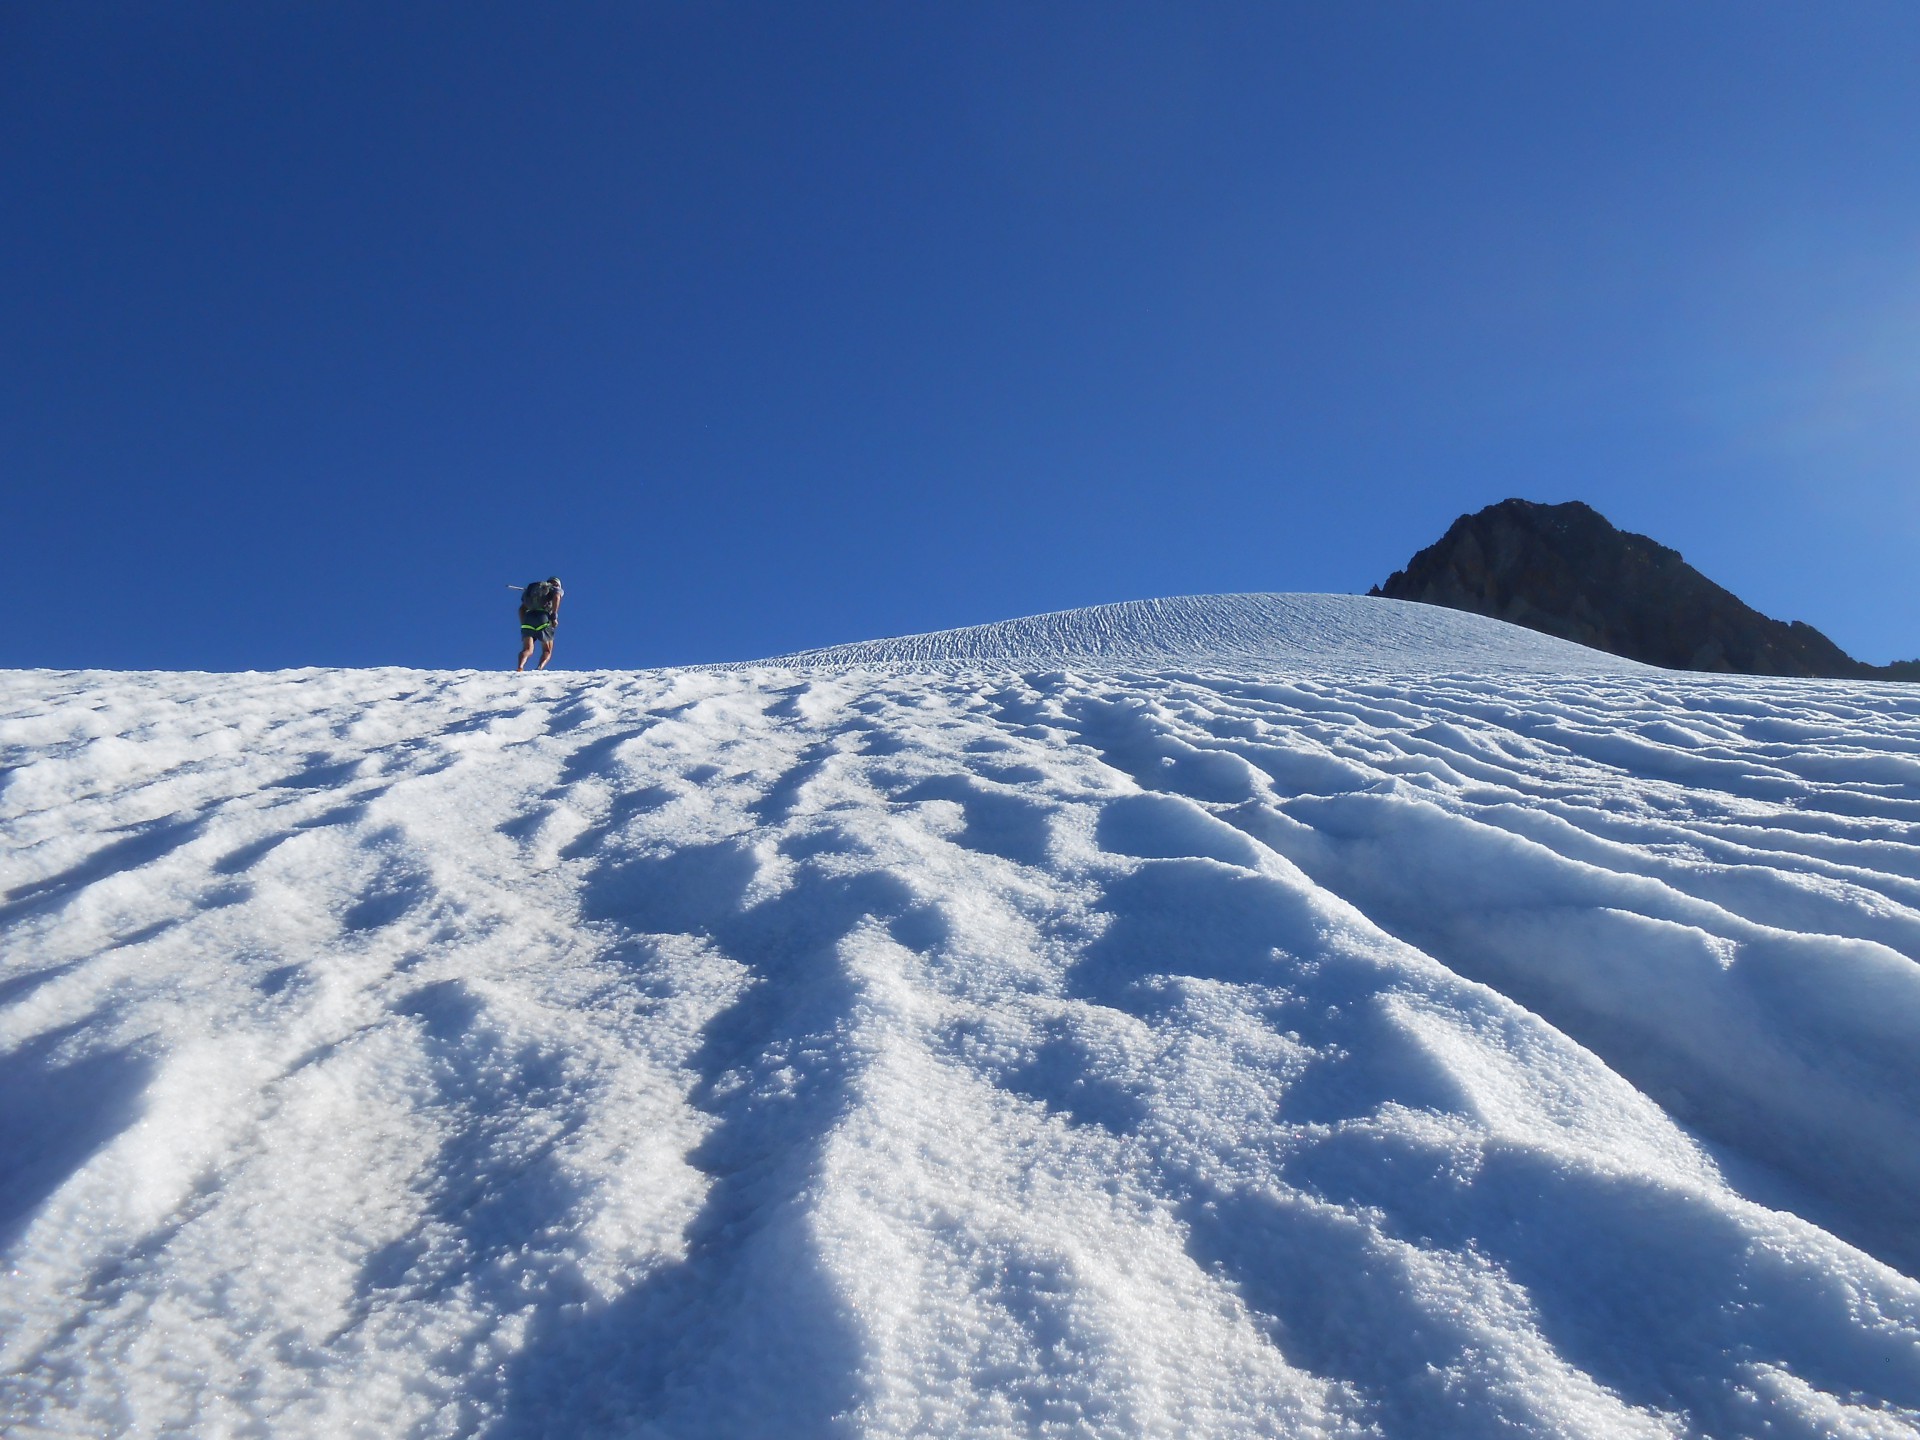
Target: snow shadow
{"x": 1067, "y": 1073}
{"x": 1181, "y": 920}
{"x": 746, "y": 1335}
{"x": 397, "y": 886}
{"x": 56, "y": 1114}
{"x": 860, "y": 738}
{"x": 776, "y": 805}
{"x": 1193, "y": 918}
{"x": 143, "y": 846}
{"x": 1595, "y": 1256}
{"x": 1160, "y": 827}
{"x": 322, "y": 772}
{"x": 576, "y": 711}
{"x": 625, "y": 807}
{"x": 245, "y": 857}
{"x": 499, "y": 1197}
{"x": 1758, "y": 1046}
{"x": 1336, "y": 1306}
{"x": 351, "y": 813}
{"x": 18, "y": 987}
{"x": 1130, "y": 737}
{"x": 686, "y": 891}
{"x": 997, "y": 822}
{"x": 496, "y": 1191}
{"x": 595, "y": 758}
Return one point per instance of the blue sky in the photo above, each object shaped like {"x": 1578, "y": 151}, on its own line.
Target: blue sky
{"x": 775, "y": 325}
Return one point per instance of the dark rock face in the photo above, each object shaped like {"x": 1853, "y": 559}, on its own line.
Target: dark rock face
{"x": 1565, "y": 570}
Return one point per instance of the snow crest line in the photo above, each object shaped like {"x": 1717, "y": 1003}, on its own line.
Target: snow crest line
{"x": 1071, "y": 1050}
{"x": 1354, "y": 633}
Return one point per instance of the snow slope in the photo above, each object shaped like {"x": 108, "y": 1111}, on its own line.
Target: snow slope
{"x": 1352, "y": 632}
{"x": 930, "y": 1038}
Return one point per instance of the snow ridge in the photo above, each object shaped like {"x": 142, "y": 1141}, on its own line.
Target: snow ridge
{"x": 1350, "y": 632}
{"x": 918, "y": 1045}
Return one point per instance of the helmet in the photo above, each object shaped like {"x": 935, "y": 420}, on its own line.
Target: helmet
{"x": 553, "y": 579}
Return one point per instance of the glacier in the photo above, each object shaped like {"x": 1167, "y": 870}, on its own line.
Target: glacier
{"x": 1274, "y": 1015}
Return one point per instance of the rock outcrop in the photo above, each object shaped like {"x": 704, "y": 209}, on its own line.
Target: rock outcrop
{"x": 1565, "y": 570}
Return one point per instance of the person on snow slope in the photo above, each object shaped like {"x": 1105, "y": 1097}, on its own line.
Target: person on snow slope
{"x": 539, "y": 618}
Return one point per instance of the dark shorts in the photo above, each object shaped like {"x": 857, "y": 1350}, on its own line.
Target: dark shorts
{"x": 537, "y": 625}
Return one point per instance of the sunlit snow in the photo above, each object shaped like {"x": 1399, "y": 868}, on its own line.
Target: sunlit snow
{"x": 1245, "y": 1016}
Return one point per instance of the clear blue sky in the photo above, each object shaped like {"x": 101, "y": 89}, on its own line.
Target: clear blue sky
{"x": 770, "y": 325}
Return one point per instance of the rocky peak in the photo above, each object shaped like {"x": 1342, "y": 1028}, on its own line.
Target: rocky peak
{"x": 1566, "y": 570}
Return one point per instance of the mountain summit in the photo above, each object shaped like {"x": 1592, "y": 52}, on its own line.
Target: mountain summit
{"x": 1565, "y": 570}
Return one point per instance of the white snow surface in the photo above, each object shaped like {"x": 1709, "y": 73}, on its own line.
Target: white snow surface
{"x": 1381, "y": 1024}
{"x": 1352, "y": 632}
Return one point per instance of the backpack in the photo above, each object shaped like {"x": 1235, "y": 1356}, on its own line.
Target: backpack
{"x": 537, "y": 596}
